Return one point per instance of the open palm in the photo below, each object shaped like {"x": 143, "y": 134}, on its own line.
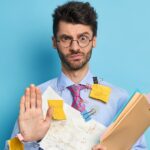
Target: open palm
{"x": 32, "y": 124}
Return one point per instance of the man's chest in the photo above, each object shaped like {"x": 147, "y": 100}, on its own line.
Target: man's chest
{"x": 100, "y": 111}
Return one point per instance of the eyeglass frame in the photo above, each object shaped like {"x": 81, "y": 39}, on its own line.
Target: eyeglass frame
{"x": 58, "y": 40}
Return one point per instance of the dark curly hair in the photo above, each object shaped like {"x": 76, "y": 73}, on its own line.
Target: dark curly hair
{"x": 77, "y": 13}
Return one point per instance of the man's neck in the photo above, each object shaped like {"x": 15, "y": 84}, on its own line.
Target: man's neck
{"x": 76, "y": 75}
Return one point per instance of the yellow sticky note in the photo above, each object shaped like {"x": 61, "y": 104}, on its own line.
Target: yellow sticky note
{"x": 15, "y": 144}
{"x": 100, "y": 92}
{"x": 58, "y": 111}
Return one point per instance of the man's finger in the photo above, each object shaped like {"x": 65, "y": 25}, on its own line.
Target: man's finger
{"x": 99, "y": 147}
{"x": 49, "y": 114}
{"x": 32, "y": 96}
{"x": 27, "y": 98}
{"x": 38, "y": 98}
{"x": 22, "y": 105}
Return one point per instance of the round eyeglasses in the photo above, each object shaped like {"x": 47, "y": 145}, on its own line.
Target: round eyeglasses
{"x": 66, "y": 41}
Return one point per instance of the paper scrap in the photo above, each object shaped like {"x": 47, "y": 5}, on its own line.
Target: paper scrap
{"x": 15, "y": 144}
{"x": 58, "y": 112}
{"x": 100, "y": 92}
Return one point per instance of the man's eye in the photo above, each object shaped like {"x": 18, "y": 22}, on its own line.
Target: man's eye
{"x": 65, "y": 38}
{"x": 84, "y": 38}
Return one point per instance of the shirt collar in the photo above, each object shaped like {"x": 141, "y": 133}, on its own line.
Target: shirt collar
{"x": 63, "y": 81}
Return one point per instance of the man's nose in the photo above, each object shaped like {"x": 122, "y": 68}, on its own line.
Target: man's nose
{"x": 74, "y": 45}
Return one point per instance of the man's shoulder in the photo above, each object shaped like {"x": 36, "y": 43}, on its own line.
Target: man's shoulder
{"x": 52, "y": 82}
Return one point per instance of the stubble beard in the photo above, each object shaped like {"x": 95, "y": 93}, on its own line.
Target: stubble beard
{"x": 76, "y": 64}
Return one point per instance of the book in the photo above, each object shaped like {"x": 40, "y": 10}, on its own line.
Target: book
{"x": 132, "y": 122}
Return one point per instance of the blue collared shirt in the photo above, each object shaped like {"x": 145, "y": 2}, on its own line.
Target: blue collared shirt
{"x": 105, "y": 112}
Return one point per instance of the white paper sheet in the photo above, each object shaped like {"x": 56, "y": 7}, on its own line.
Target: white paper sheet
{"x": 71, "y": 134}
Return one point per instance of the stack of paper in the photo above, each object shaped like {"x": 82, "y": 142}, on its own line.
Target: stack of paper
{"x": 129, "y": 126}
{"x": 70, "y": 134}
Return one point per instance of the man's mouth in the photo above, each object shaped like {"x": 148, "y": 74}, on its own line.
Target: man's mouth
{"x": 76, "y": 56}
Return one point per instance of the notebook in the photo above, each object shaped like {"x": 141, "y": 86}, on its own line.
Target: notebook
{"x": 123, "y": 133}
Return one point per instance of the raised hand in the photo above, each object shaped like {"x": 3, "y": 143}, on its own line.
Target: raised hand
{"x": 32, "y": 124}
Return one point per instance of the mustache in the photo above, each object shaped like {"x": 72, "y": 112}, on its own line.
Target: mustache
{"x": 74, "y": 52}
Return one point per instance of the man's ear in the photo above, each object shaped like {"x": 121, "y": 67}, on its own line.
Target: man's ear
{"x": 54, "y": 42}
{"x": 94, "y": 41}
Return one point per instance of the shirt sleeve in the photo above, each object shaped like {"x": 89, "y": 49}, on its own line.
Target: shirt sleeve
{"x": 140, "y": 144}
{"x": 27, "y": 145}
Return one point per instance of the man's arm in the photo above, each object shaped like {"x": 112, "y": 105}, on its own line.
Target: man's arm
{"x": 31, "y": 123}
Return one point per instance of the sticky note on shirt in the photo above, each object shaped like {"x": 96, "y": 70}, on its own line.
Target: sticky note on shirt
{"x": 15, "y": 144}
{"x": 58, "y": 111}
{"x": 100, "y": 92}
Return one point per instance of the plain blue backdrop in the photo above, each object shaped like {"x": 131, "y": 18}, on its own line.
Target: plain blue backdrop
{"x": 122, "y": 55}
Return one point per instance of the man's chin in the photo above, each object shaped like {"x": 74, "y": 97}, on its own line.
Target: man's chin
{"x": 75, "y": 66}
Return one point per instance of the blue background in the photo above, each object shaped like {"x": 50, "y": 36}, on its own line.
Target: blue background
{"x": 122, "y": 55}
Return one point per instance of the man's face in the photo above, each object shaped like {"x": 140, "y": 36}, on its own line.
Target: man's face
{"x": 75, "y": 55}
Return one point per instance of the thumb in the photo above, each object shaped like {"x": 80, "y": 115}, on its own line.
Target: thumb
{"x": 49, "y": 114}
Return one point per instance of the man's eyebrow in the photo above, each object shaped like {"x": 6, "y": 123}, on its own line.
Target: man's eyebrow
{"x": 80, "y": 34}
{"x": 62, "y": 35}
{"x": 84, "y": 33}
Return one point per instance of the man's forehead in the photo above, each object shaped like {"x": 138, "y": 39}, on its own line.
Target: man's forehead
{"x": 73, "y": 29}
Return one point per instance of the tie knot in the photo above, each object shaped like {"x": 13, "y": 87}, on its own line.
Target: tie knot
{"x": 75, "y": 89}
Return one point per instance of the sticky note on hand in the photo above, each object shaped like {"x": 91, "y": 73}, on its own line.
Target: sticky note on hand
{"x": 100, "y": 92}
{"x": 58, "y": 111}
{"x": 15, "y": 144}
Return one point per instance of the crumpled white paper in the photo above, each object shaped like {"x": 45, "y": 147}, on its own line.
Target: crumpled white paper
{"x": 73, "y": 133}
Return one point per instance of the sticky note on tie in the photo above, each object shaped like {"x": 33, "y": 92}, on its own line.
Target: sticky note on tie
{"x": 100, "y": 92}
{"x": 15, "y": 144}
{"x": 58, "y": 111}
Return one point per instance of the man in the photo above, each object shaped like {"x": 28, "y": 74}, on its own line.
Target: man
{"x": 74, "y": 28}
